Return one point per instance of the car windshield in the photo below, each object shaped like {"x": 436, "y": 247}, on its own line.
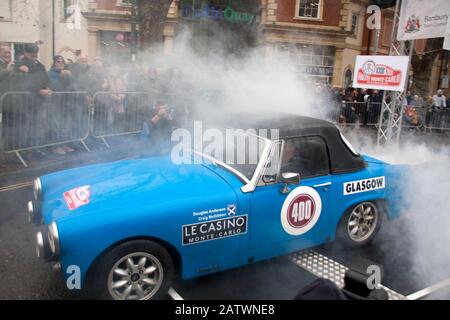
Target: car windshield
{"x": 237, "y": 150}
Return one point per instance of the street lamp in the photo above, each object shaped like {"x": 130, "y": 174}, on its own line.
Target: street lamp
{"x": 53, "y": 28}
{"x": 133, "y": 21}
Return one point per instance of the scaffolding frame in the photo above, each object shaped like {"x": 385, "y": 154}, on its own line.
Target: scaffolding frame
{"x": 392, "y": 106}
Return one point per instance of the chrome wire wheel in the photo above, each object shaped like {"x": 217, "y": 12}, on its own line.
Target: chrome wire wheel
{"x": 362, "y": 221}
{"x": 136, "y": 276}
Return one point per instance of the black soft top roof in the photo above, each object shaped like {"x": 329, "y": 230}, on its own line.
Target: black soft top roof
{"x": 290, "y": 125}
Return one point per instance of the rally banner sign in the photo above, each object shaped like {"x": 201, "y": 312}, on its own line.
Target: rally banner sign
{"x": 423, "y": 20}
{"x": 381, "y": 72}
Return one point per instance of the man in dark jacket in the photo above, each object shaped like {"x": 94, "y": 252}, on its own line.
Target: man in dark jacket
{"x": 6, "y": 76}
{"x": 80, "y": 71}
{"x": 158, "y": 130}
{"x": 35, "y": 80}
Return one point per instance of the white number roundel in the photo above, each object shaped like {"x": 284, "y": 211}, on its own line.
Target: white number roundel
{"x": 301, "y": 210}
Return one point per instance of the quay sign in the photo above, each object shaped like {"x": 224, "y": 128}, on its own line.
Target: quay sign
{"x": 228, "y": 14}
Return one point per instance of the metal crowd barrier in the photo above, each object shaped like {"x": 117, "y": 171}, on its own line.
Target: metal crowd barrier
{"x": 180, "y": 105}
{"x": 119, "y": 113}
{"x": 30, "y": 121}
{"x": 414, "y": 120}
{"x": 438, "y": 120}
{"x": 358, "y": 113}
{"x": 368, "y": 114}
{"x": 122, "y": 113}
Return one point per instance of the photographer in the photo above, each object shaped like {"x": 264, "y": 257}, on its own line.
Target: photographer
{"x": 157, "y": 132}
{"x": 59, "y": 75}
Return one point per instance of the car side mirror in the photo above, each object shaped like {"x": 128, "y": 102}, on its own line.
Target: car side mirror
{"x": 289, "y": 178}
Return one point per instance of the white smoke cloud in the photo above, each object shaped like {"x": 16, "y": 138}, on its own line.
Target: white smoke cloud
{"x": 424, "y": 230}
{"x": 249, "y": 83}
{"x": 245, "y": 83}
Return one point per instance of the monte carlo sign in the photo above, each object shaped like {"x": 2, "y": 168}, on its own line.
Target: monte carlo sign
{"x": 381, "y": 72}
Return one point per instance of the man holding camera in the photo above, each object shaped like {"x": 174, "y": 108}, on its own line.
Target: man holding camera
{"x": 157, "y": 132}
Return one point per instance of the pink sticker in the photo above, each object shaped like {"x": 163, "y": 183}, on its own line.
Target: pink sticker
{"x": 77, "y": 197}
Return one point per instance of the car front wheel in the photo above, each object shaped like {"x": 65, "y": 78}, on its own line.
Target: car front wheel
{"x": 135, "y": 270}
{"x": 360, "y": 224}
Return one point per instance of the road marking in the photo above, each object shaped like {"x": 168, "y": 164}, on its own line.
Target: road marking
{"x": 427, "y": 291}
{"x": 326, "y": 268}
{"x": 174, "y": 295}
{"x": 16, "y": 186}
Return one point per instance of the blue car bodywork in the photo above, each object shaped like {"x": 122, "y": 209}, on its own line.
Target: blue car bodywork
{"x": 200, "y": 212}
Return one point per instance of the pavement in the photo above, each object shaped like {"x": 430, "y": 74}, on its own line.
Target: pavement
{"x": 25, "y": 277}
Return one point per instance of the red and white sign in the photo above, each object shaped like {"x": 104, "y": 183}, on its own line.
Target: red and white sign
{"x": 77, "y": 197}
{"x": 381, "y": 72}
{"x": 300, "y": 210}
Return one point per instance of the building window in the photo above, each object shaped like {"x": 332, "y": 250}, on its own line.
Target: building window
{"x": 310, "y": 61}
{"x": 68, "y": 7}
{"x": 354, "y": 28}
{"x": 308, "y": 9}
{"x": 115, "y": 46}
{"x": 19, "y": 49}
{"x": 387, "y": 30}
{"x": 5, "y": 10}
{"x": 124, "y": 3}
{"x": 348, "y": 78}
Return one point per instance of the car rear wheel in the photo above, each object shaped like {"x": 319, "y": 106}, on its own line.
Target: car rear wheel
{"x": 360, "y": 224}
{"x": 135, "y": 270}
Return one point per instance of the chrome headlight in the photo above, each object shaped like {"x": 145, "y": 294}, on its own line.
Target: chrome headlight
{"x": 37, "y": 189}
{"x": 53, "y": 238}
{"x": 34, "y": 212}
{"x": 30, "y": 212}
{"x": 42, "y": 247}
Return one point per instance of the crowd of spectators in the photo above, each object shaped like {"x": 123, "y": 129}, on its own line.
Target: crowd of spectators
{"x": 27, "y": 74}
{"x": 106, "y": 82}
{"x": 363, "y": 106}
{"x": 351, "y": 105}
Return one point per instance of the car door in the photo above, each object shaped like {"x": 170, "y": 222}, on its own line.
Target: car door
{"x": 292, "y": 216}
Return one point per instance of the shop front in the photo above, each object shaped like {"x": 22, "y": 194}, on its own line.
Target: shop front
{"x": 312, "y": 62}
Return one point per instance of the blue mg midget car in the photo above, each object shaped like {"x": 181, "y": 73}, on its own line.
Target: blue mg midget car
{"x": 131, "y": 226}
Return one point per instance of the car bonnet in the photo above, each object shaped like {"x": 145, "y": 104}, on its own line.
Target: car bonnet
{"x": 129, "y": 185}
